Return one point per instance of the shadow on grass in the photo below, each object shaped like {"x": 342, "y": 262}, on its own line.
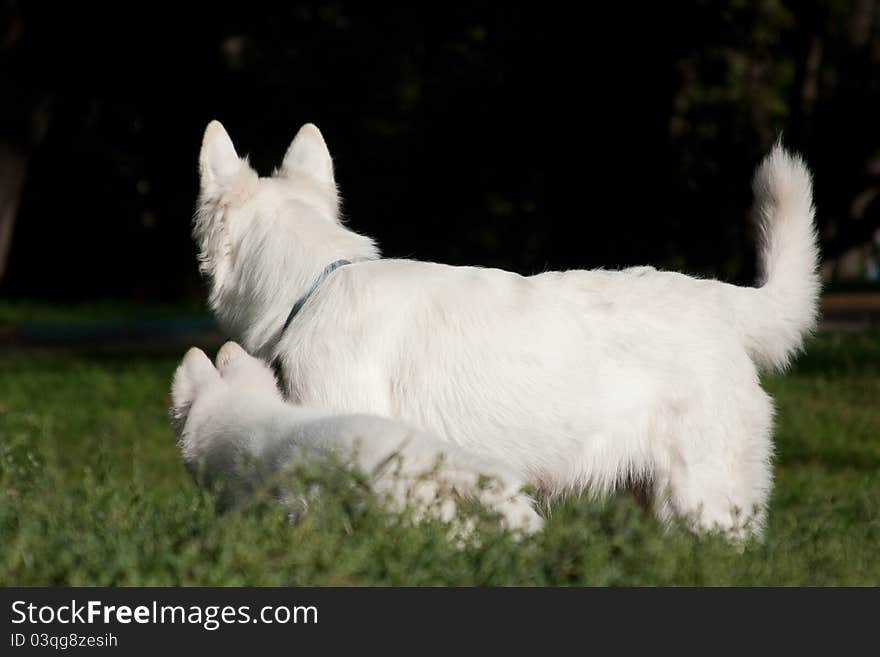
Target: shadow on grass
{"x": 840, "y": 352}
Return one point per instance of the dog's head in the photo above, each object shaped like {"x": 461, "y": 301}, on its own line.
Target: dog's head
{"x": 234, "y": 202}
{"x": 263, "y": 240}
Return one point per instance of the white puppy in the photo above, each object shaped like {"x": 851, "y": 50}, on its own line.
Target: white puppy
{"x": 577, "y": 380}
{"x": 237, "y": 432}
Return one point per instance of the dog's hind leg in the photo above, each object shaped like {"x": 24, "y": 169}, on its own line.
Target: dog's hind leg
{"x": 720, "y": 472}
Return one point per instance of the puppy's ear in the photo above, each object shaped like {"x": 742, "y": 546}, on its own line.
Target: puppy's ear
{"x": 308, "y": 155}
{"x": 194, "y": 374}
{"x": 218, "y": 161}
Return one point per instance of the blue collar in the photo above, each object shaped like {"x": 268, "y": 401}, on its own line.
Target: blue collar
{"x": 329, "y": 269}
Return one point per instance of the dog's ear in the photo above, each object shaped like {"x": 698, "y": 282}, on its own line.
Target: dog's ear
{"x": 308, "y": 155}
{"x": 218, "y": 161}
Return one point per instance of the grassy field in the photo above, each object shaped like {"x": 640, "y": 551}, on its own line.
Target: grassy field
{"x": 92, "y": 493}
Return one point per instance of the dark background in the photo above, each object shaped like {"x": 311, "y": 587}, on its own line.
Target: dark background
{"x": 529, "y": 138}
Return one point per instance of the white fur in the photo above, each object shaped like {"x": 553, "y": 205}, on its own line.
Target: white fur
{"x": 576, "y": 381}
{"x": 235, "y": 430}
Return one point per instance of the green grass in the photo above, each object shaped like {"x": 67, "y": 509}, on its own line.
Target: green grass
{"x": 92, "y": 493}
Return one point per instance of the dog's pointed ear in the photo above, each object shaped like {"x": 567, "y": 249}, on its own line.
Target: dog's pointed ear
{"x": 308, "y": 155}
{"x": 218, "y": 161}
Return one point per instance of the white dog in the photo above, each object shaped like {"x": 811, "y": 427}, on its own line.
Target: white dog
{"x": 235, "y": 431}
{"x": 576, "y": 381}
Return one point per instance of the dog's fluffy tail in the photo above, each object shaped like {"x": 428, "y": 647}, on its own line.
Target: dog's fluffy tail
{"x": 782, "y": 310}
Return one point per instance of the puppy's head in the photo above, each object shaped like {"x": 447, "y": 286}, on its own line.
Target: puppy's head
{"x": 236, "y": 204}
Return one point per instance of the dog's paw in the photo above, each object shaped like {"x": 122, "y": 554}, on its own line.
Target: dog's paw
{"x": 194, "y": 373}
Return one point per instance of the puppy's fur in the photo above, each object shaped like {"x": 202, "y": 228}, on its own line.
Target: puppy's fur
{"x": 575, "y": 381}
{"x": 235, "y": 431}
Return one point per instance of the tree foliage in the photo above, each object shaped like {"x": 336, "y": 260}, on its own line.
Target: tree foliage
{"x": 516, "y": 137}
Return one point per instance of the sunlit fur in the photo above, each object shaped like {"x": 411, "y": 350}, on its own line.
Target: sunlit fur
{"x": 235, "y": 431}
{"x": 577, "y": 380}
